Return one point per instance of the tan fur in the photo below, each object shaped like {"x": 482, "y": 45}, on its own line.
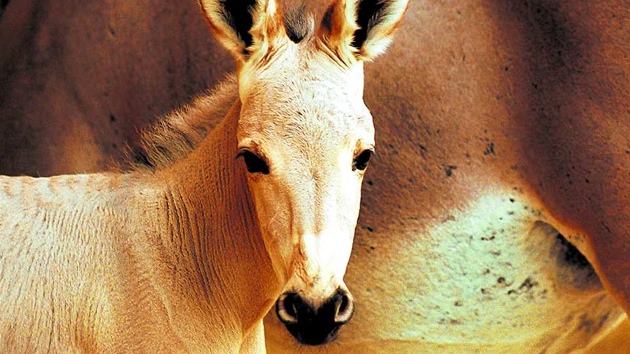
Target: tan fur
{"x": 460, "y": 74}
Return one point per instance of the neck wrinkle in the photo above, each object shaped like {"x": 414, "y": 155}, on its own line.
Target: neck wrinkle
{"x": 214, "y": 234}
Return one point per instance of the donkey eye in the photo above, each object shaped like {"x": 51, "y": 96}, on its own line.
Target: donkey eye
{"x": 254, "y": 163}
{"x": 360, "y": 162}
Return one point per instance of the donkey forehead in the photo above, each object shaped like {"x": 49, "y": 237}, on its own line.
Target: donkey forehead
{"x": 292, "y": 68}
{"x": 300, "y": 96}
{"x": 310, "y": 110}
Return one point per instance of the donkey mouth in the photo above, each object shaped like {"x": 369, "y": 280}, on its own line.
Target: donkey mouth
{"x": 312, "y": 325}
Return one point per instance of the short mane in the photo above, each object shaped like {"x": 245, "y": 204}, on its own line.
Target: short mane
{"x": 177, "y": 134}
{"x": 298, "y": 24}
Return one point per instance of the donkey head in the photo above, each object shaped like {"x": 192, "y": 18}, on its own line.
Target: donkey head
{"x": 305, "y": 137}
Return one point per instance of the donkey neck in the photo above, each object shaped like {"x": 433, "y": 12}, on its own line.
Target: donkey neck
{"x": 211, "y": 223}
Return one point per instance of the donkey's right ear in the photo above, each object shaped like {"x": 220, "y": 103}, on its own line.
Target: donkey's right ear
{"x": 245, "y": 27}
{"x": 361, "y": 29}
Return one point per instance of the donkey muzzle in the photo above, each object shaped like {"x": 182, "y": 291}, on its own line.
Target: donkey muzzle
{"x": 312, "y": 325}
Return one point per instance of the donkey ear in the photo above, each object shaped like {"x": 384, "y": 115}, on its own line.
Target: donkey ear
{"x": 361, "y": 28}
{"x": 244, "y": 27}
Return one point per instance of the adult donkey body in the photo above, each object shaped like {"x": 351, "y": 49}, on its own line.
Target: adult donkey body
{"x": 489, "y": 113}
{"x": 189, "y": 251}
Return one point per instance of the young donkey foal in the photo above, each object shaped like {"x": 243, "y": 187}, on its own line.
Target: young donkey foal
{"x": 190, "y": 251}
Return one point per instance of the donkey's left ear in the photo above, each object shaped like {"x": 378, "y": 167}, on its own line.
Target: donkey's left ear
{"x": 244, "y": 27}
{"x": 361, "y": 28}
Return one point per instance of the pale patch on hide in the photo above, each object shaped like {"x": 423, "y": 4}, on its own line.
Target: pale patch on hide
{"x": 492, "y": 273}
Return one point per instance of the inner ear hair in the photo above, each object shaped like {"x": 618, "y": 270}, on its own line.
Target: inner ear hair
{"x": 239, "y": 16}
{"x": 361, "y": 29}
{"x": 369, "y": 13}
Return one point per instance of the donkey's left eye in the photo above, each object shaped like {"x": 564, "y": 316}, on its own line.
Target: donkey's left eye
{"x": 254, "y": 163}
{"x": 361, "y": 161}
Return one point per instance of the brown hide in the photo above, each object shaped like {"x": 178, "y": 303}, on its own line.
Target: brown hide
{"x": 573, "y": 120}
{"x": 79, "y": 78}
{"x": 533, "y": 95}
{"x": 536, "y": 91}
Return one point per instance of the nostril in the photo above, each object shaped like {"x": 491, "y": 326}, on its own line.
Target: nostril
{"x": 314, "y": 324}
{"x": 286, "y": 309}
{"x": 344, "y": 304}
{"x": 345, "y": 308}
{"x": 290, "y": 307}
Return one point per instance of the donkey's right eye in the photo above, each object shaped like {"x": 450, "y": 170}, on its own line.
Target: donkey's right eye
{"x": 254, "y": 163}
{"x": 361, "y": 161}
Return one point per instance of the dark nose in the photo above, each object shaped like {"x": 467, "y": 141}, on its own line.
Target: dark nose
{"x": 311, "y": 325}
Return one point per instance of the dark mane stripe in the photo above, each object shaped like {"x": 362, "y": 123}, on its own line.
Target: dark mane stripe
{"x": 298, "y": 24}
